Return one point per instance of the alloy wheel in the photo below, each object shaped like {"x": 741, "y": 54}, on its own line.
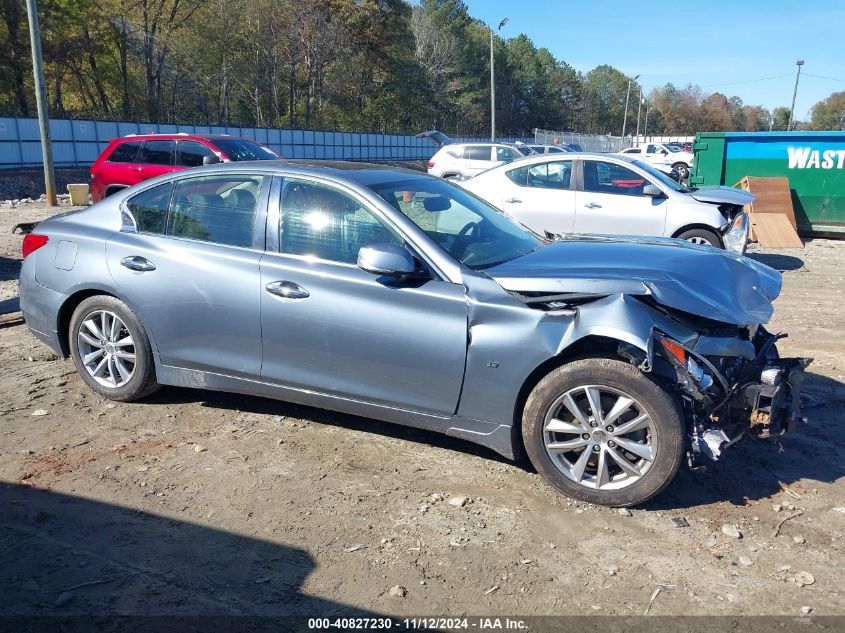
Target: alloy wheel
{"x": 600, "y": 437}
{"x": 699, "y": 240}
{"x": 106, "y": 349}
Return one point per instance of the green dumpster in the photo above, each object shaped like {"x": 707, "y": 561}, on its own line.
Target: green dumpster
{"x": 814, "y": 162}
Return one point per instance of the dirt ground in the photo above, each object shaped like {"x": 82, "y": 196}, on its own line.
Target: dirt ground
{"x": 193, "y": 502}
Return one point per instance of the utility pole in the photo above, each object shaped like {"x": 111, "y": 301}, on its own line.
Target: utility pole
{"x": 799, "y": 63}
{"x": 627, "y": 98}
{"x": 639, "y": 107}
{"x": 41, "y": 102}
{"x": 493, "y": 84}
{"x": 645, "y": 130}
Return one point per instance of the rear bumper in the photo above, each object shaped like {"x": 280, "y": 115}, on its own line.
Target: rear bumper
{"x": 40, "y": 308}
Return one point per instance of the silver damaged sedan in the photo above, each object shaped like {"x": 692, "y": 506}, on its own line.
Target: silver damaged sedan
{"x": 392, "y": 294}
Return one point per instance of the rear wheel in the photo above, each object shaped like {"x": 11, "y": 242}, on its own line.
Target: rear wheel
{"x": 111, "y": 350}
{"x": 601, "y": 431}
{"x": 701, "y": 236}
{"x": 682, "y": 169}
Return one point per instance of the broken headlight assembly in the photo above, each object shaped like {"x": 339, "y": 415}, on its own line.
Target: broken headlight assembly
{"x": 735, "y": 237}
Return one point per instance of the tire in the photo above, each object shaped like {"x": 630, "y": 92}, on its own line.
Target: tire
{"x": 701, "y": 236}
{"x": 549, "y": 427}
{"x": 124, "y": 369}
{"x": 112, "y": 190}
{"x": 683, "y": 170}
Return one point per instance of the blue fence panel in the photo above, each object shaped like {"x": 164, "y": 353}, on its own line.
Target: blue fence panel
{"x": 79, "y": 142}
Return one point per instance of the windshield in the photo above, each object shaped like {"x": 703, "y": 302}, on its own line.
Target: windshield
{"x": 659, "y": 175}
{"x": 525, "y": 150}
{"x": 467, "y": 228}
{"x": 240, "y": 149}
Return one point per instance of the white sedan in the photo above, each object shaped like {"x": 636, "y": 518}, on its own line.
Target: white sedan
{"x": 612, "y": 194}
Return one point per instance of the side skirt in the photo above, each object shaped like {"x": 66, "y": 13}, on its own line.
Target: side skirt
{"x": 494, "y": 436}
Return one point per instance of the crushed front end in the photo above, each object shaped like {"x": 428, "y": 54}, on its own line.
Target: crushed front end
{"x": 731, "y": 386}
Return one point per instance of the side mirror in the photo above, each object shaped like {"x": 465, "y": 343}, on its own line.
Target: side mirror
{"x": 665, "y": 152}
{"x": 211, "y": 159}
{"x": 652, "y": 191}
{"x": 387, "y": 260}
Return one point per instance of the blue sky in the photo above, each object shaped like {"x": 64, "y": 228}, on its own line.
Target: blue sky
{"x": 706, "y": 42}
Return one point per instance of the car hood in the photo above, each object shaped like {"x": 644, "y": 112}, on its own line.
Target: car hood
{"x": 700, "y": 280}
{"x": 723, "y": 195}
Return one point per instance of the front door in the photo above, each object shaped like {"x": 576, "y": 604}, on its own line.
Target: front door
{"x": 332, "y": 328}
{"x": 612, "y": 201}
{"x": 192, "y": 272}
{"x": 541, "y": 196}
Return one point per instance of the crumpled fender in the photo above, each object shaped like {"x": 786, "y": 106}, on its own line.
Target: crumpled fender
{"x": 499, "y": 321}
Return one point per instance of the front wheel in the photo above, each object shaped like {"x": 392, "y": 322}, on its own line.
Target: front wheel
{"x": 111, "y": 350}
{"x": 702, "y": 237}
{"x": 601, "y": 431}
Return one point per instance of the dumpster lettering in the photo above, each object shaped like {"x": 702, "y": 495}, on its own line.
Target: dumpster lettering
{"x": 809, "y": 158}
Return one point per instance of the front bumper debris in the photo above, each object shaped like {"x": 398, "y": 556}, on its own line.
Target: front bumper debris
{"x": 760, "y": 398}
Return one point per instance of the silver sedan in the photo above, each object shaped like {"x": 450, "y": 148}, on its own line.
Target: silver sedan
{"x": 396, "y": 295}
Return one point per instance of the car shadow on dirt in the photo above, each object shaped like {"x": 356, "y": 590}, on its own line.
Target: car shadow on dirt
{"x": 779, "y": 262}
{"x": 266, "y": 406}
{"x": 750, "y": 471}
{"x": 67, "y": 555}
{"x": 10, "y": 269}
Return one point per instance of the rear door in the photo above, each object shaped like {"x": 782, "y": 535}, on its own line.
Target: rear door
{"x": 477, "y": 158}
{"x": 191, "y": 270}
{"x": 542, "y": 196}
{"x": 611, "y": 200}
{"x": 121, "y": 168}
{"x": 156, "y": 157}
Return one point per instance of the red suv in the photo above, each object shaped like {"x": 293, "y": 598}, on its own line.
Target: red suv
{"x": 132, "y": 159}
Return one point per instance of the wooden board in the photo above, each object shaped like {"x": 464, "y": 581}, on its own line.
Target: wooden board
{"x": 774, "y": 230}
{"x": 773, "y": 196}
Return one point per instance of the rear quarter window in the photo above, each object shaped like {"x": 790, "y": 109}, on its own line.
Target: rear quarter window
{"x": 149, "y": 208}
{"x": 125, "y": 152}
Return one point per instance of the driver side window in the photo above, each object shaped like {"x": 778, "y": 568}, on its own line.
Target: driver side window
{"x": 324, "y": 223}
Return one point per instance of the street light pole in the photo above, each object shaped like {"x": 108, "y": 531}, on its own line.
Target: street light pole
{"x": 627, "y": 98}
{"x": 799, "y": 63}
{"x": 493, "y": 84}
{"x": 41, "y": 102}
{"x": 645, "y": 130}
{"x": 639, "y": 107}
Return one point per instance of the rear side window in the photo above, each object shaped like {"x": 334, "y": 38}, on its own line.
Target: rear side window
{"x": 506, "y": 154}
{"x": 158, "y": 153}
{"x": 557, "y": 175}
{"x": 219, "y": 209}
{"x": 477, "y": 152}
{"x": 191, "y": 153}
{"x": 125, "y": 152}
{"x": 149, "y": 208}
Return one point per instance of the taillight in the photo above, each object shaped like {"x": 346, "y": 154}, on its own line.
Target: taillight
{"x": 430, "y": 164}
{"x": 32, "y": 242}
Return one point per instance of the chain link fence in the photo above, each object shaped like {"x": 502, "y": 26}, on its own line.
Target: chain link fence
{"x": 587, "y": 142}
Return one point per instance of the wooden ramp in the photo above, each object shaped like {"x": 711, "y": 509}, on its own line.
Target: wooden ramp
{"x": 772, "y": 216}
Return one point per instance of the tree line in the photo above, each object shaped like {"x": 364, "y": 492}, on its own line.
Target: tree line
{"x": 368, "y": 65}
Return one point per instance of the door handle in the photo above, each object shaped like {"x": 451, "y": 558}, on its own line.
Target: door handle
{"x": 287, "y": 290}
{"x": 136, "y": 262}
{"x": 513, "y": 200}
{"x": 593, "y": 205}
{"x": 139, "y": 169}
